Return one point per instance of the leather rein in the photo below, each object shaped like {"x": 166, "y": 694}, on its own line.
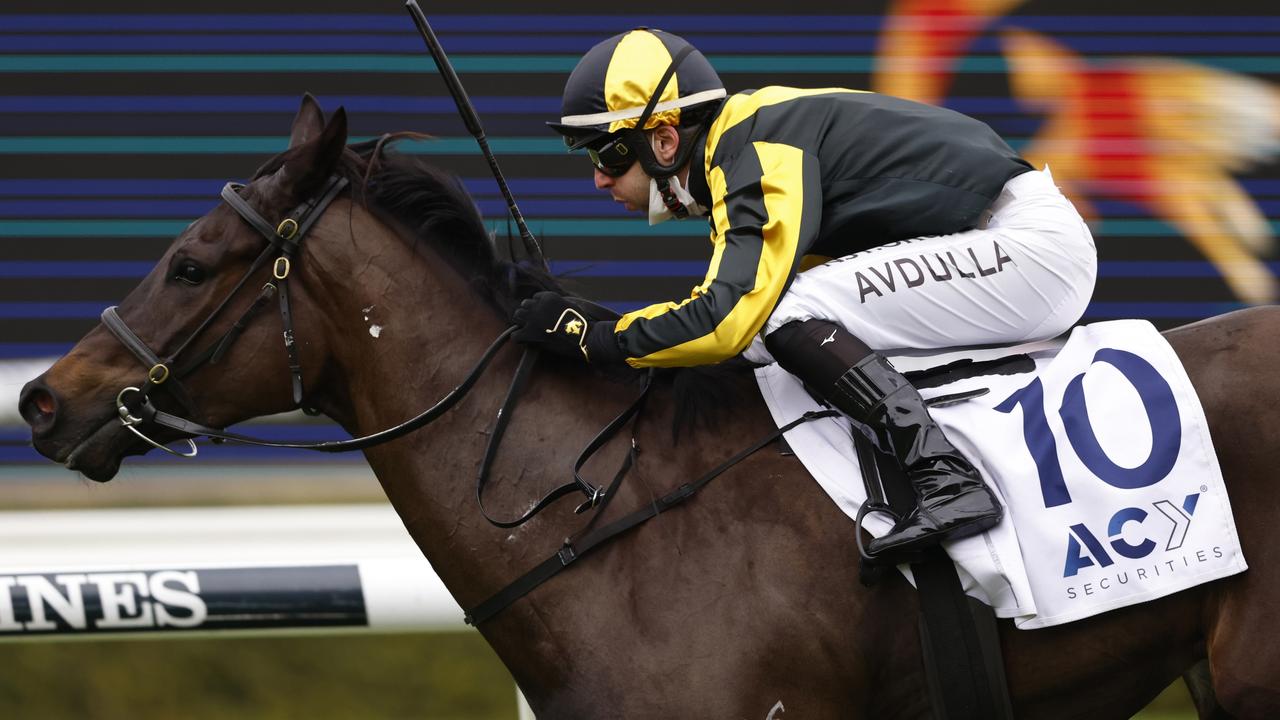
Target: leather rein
{"x": 284, "y": 240}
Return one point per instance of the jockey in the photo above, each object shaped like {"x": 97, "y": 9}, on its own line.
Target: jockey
{"x": 843, "y": 223}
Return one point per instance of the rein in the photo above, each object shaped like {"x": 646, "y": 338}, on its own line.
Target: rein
{"x": 136, "y": 411}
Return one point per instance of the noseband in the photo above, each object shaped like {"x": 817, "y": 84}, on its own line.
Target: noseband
{"x": 283, "y": 242}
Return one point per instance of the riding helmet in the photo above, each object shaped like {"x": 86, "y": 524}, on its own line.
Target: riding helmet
{"x": 611, "y": 86}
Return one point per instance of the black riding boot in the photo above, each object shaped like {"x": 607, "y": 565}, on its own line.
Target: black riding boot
{"x": 952, "y": 501}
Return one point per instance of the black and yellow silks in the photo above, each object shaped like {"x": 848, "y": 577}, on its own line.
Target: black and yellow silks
{"x": 826, "y": 172}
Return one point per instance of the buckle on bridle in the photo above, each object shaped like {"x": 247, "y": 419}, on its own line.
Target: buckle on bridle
{"x": 281, "y": 269}
{"x": 157, "y": 374}
{"x": 287, "y": 228}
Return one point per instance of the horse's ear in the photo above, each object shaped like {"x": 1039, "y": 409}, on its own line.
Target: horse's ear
{"x": 308, "y": 123}
{"x": 315, "y": 160}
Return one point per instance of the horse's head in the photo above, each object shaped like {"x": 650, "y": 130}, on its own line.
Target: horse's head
{"x": 176, "y": 317}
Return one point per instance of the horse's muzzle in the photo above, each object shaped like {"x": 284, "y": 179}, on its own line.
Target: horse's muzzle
{"x": 38, "y": 405}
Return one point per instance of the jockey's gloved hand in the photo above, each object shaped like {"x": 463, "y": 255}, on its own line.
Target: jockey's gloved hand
{"x": 567, "y": 326}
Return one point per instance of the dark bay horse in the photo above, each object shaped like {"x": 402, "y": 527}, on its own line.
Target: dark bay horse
{"x": 744, "y": 602}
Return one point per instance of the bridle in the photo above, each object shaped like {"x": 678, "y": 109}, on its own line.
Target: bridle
{"x": 284, "y": 240}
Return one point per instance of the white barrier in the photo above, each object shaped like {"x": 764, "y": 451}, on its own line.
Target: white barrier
{"x": 296, "y": 569}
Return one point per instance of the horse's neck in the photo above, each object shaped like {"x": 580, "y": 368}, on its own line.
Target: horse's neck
{"x": 432, "y": 329}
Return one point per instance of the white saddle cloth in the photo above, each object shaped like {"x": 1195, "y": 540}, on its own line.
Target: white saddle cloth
{"x": 1103, "y": 460}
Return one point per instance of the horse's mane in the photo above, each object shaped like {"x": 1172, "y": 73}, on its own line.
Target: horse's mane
{"x": 433, "y": 205}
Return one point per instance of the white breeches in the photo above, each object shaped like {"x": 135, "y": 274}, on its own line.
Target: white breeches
{"x": 1025, "y": 273}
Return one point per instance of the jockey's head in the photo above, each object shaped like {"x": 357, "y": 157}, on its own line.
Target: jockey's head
{"x": 637, "y": 103}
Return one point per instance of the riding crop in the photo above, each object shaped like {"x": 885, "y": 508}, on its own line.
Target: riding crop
{"x": 472, "y": 121}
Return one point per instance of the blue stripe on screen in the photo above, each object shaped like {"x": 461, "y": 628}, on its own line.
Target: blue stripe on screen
{"x": 362, "y": 104}
{"x": 150, "y": 208}
{"x": 443, "y": 24}
{"x": 256, "y": 144}
{"x": 128, "y": 187}
{"x": 595, "y": 206}
{"x": 506, "y": 64}
{"x": 509, "y": 64}
{"x": 408, "y": 43}
{"x": 10, "y": 350}
{"x": 692, "y": 23}
{"x": 52, "y": 310}
{"x": 67, "y": 269}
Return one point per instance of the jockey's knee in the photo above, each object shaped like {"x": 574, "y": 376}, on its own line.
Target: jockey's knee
{"x": 817, "y": 351}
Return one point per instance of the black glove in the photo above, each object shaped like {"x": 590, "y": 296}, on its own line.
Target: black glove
{"x": 567, "y": 326}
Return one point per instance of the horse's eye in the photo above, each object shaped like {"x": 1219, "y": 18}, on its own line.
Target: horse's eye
{"x": 189, "y": 273}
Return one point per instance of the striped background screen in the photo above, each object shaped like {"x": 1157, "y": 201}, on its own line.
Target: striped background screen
{"x": 120, "y": 121}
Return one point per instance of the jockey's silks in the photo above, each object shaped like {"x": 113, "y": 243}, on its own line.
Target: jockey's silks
{"x": 790, "y": 172}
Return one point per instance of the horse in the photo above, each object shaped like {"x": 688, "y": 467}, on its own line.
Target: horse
{"x": 742, "y": 603}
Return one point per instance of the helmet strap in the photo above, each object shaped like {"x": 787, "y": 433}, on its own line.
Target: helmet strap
{"x": 637, "y": 140}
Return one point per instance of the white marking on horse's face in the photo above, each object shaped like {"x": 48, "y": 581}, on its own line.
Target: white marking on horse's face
{"x": 375, "y": 330}
{"x": 775, "y": 711}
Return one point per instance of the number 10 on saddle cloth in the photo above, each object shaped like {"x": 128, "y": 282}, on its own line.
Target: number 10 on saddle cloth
{"x": 1102, "y": 456}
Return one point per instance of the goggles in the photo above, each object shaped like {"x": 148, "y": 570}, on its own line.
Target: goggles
{"x": 613, "y": 157}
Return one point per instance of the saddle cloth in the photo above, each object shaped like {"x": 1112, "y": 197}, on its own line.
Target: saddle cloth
{"x": 1101, "y": 456}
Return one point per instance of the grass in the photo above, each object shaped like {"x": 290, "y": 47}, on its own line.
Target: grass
{"x": 443, "y": 676}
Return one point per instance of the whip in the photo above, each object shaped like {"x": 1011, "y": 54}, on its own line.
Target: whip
{"x": 472, "y": 121}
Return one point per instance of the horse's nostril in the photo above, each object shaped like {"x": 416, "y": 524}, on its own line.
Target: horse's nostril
{"x": 43, "y": 402}
{"x": 38, "y": 406}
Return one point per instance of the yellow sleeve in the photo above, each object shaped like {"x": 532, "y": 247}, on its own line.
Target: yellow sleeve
{"x": 766, "y": 209}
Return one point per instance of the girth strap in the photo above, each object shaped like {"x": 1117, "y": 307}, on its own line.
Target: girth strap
{"x": 959, "y": 638}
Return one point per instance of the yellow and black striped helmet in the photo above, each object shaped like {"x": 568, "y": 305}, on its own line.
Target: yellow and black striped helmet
{"x": 616, "y": 80}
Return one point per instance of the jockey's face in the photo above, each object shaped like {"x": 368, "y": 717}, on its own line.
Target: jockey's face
{"x": 632, "y": 187}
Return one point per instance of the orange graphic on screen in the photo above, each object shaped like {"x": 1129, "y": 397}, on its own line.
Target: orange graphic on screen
{"x": 1162, "y": 134}
{"x": 923, "y": 39}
